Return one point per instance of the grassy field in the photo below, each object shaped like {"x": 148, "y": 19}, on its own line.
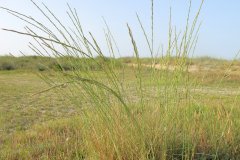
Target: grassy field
{"x": 57, "y": 125}
{"x": 73, "y": 102}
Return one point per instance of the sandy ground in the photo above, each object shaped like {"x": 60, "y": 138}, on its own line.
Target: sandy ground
{"x": 192, "y": 68}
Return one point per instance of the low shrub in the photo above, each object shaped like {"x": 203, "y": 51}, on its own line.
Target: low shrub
{"x": 7, "y": 66}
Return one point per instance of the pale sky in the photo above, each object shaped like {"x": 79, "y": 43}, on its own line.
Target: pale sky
{"x": 219, "y": 35}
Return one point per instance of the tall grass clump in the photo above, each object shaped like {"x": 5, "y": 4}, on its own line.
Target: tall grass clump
{"x": 124, "y": 114}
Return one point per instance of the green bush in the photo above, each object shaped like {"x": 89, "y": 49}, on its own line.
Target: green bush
{"x": 7, "y": 66}
{"x": 41, "y": 67}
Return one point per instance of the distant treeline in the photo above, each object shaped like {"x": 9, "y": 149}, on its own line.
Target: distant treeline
{"x": 40, "y": 63}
